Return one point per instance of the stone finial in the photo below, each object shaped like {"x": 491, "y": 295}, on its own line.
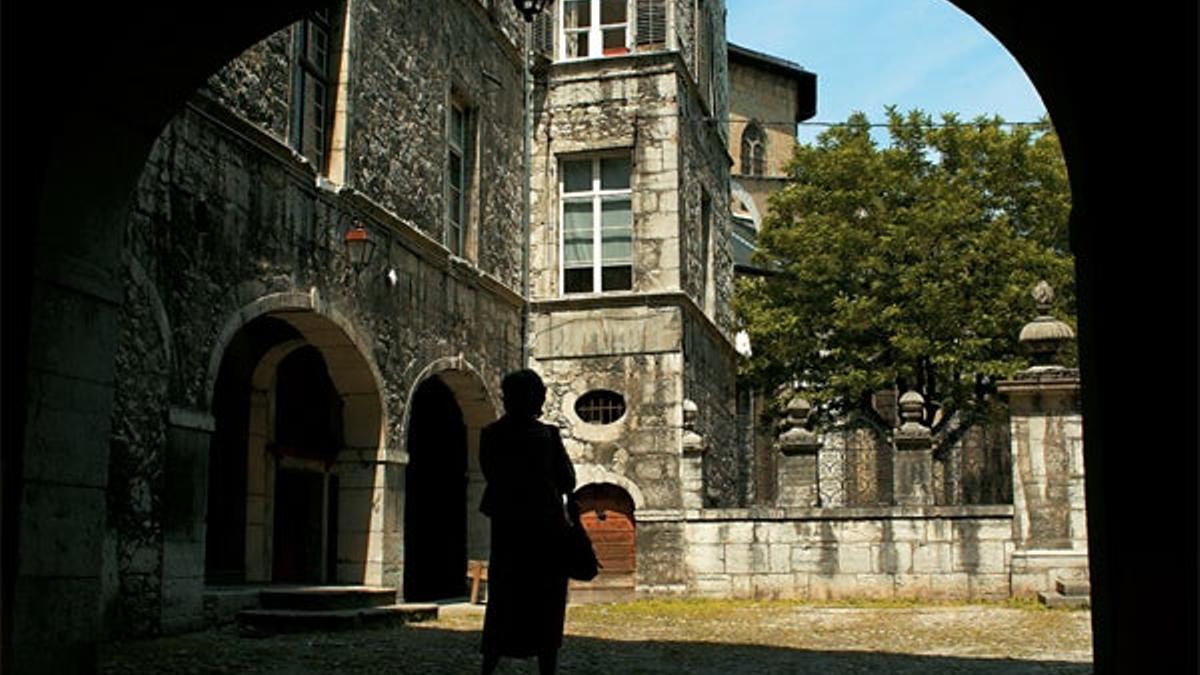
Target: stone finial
{"x": 798, "y": 411}
{"x": 912, "y": 433}
{"x": 689, "y": 414}
{"x": 693, "y": 443}
{"x": 1043, "y": 295}
{"x": 912, "y": 407}
{"x": 796, "y": 437}
{"x": 1044, "y": 336}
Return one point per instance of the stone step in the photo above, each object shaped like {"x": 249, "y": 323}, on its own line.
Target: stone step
{"x": 324, "y": 598}
{"x": 1056, "y": 600}
{"x": 1073, "y": 586}
{"x": 590, "y": 596}
{"x": 261, "y": 622}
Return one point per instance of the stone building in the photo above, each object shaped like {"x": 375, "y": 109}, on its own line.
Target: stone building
{"x": 285, "y": 415}
{"x": 288, "y": 412}
{"x": 631, "y": 271}
{"x": 768, "y": 97}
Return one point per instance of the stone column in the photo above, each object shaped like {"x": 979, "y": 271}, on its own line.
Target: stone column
{"x": 1049, "y": 519}
{"x": 796, "y": 472}
{"x": 185, "y": 509}
{"x": 691, "y": 465}
{"x": 912, "y": 469}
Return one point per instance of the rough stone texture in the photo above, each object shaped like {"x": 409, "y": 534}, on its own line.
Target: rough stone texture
{"x": 1047, "y": 434}
{"x": 642, "y": 446}
{"x": 619, "y": 104}
{"x": 890, "y": 552}
{"x": 137, "y": 458}
{"x": 409, "y": 59}
{"x": 710, "y": 374}
{"x": 227, "y": 218}
{"x": 257, "y": 84}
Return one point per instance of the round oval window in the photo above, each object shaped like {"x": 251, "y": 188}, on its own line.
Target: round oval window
{"x": 600, "y": 406}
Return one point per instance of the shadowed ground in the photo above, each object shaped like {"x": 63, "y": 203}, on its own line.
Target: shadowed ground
{"x": 664, "y": 637}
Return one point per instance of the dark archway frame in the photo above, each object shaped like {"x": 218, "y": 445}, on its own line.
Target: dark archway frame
{"x": 87, "y": 90}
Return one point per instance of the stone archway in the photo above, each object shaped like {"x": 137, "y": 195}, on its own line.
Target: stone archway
{"x": 443, "y": 528}
{"x": 69, "y": 194}
{"x": 295, "y": 469}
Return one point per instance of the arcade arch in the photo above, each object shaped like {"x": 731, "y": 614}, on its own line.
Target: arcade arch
{"x": 293, "y": 470}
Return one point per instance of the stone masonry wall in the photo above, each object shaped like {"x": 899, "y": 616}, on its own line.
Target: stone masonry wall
{"x": 409, "y": 59}
{"x": 258, "y": 83}
{"x": 887, "y": 552}
{"x": 704, "y": 166}
{"x": 709, "y": 381}
{"x": 622, "y": 104}
{"x": 225, "y": 214}
{"x": 635, "y": 352}
{"x": 758, "y": 94}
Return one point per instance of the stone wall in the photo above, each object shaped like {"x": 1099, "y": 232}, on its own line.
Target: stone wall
{"x": 770, "y": 98}
{"x": 707, "y": 265}
{"x": 710, "y": 374}
{"x": 884, "y": 552}
{"x": 620, "y": 104}
{"x": 406, "y": 60}
{"x": 636, "y": 352}
{"x": 226, "y": 217}
{"x": 258, "y": 84}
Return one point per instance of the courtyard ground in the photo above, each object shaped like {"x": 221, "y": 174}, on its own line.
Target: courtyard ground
{"x": 657, "y": 637}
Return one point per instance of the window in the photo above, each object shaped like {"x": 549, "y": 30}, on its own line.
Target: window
{"x": 593, "y": 28}
{"x": 457, "y": 176}
{"x": 753, "y": 150}
{"x": 706, "y": 252}
{"x": 597, "y": 224}
{"x": 651, "y": 25}
{"x": 311, "y": 75}
{"x": 705, "y": 67}
{"x": 600, "y": 406}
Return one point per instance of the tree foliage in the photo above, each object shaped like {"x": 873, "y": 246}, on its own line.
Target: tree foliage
{"x": 911, "y": 263}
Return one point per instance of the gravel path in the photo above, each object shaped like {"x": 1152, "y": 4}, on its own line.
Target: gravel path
{"x": 705, "y": 637}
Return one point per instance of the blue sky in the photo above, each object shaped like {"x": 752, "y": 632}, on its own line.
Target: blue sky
{"x": 924, "y": 54}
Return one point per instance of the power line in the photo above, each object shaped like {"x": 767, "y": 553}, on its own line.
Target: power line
{"x": 872, "y": 125}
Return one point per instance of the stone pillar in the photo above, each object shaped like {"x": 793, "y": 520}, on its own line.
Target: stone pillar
{"x": 691, "y": 464}
{"x": 796, "y": 473}
{"x": 912, "y": 469}
{"x": 1050, "y": 518}
{"x": 185, "y": 508}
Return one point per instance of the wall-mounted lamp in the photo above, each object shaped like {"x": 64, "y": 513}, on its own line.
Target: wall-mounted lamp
{"x": 530, "y": 8}
{"x": 359, "y": 247}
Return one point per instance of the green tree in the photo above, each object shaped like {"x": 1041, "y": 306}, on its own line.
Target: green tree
{"x": 908, "y": 264}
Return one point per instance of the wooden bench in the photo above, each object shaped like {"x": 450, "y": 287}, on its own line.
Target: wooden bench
{"x": 476, "y": 572}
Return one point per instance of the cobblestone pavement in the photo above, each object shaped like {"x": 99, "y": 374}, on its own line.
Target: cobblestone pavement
{"x": 662, "y": 637}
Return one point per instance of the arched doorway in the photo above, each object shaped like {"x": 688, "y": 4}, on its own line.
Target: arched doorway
{"x": 290, "y": 500}
{"x": 606, "y": 512}
{"x": 308, "y": 436}
{"x": 443, "y": 527}
{"x": 435, "y": 503}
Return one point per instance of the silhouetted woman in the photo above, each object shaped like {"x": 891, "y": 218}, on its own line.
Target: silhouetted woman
{"x": 528, "y": 475}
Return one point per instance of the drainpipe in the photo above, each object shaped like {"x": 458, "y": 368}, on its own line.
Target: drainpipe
{"x": 527, "y": 168}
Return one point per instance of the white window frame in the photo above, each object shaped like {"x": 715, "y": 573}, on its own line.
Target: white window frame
{"x": 597, "y": 196}
{"x": 595, "y": 32}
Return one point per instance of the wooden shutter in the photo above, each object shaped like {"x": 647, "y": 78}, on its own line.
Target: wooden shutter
{"x": 651, "y": 24}
{"x": 543, "y": 34}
